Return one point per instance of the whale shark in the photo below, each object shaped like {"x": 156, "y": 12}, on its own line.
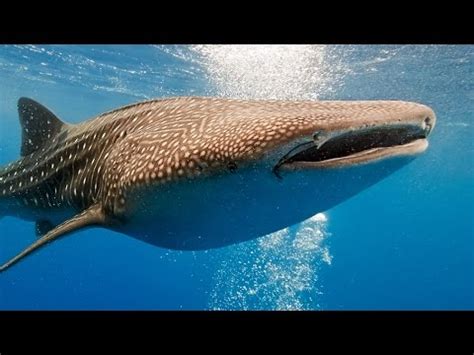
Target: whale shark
{"x": 194, "y": 173}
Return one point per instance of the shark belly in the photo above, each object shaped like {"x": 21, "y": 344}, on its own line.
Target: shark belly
{"x": 224, "y": 210}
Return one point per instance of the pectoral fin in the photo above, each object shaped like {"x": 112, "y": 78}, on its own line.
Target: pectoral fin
{"x": 94, "y": 215}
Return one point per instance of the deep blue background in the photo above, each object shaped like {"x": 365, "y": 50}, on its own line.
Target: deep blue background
{"x": 405, "y": 243}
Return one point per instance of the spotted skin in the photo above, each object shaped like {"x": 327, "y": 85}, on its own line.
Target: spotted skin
{"x": 102, "y": 161}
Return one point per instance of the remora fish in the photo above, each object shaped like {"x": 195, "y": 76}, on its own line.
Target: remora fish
{"x": 194, "y": 173}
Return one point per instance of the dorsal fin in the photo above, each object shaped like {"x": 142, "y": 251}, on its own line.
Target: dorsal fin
{"x": 39, "y": 125}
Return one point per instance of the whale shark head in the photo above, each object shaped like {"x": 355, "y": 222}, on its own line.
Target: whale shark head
{"x": 338, "y": 136}
{"x": 262, "y": 166}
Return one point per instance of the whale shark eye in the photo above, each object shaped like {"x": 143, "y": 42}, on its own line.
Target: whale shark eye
{"x": 232, "y": 166}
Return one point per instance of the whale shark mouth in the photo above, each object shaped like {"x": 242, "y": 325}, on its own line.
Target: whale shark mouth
{"x": 357, "y": 146}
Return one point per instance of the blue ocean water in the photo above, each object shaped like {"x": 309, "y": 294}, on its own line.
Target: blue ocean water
{"x": 405, "y": 243}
